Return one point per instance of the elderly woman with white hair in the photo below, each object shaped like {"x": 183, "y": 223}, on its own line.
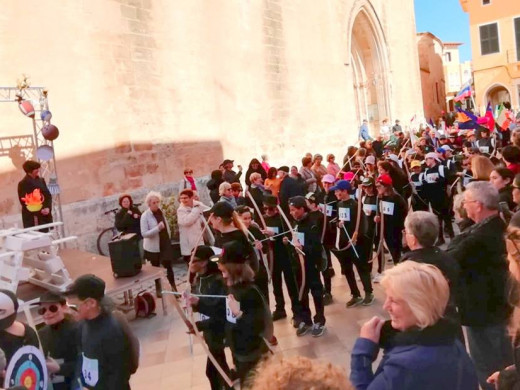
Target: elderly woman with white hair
{"x": 421, "y": 348}
{"x": 156, "y": 236}
{"x": 226, "y": 194}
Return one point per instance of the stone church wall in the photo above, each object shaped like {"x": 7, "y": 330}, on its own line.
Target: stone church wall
{"x": 141, "y": 89}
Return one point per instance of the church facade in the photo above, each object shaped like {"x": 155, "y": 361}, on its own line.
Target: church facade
{"x": 141, "y": 89}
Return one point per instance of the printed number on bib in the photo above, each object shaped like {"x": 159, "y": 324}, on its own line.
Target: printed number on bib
{"x": 388, "y": 208}
{"x": 90, "y": 371}
{"x": 229, "y": 315}
{"x": 344, "y": 214}
{"x": 484, "y": 149}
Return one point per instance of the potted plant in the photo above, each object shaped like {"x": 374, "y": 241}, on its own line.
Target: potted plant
{"x": 169, "y": 206}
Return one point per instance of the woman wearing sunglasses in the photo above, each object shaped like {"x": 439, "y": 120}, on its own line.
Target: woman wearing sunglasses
{"x": 59, "y": 338}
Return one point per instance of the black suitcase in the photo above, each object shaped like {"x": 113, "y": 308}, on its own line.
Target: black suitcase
{"x": 125, "y": 255}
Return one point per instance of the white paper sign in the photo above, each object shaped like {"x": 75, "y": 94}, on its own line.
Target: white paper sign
{"x": 90, "y": 371}
{"x": 432, "y": 177}
{"x": 369, "y": 208}
{"x": 484, "y": 149}
{"x": 273, "y": 229}
{"x": 329, "y": 210}
{"x": 229, "y": 315}
{"x": 344, "y": 214}
{"x": 301, "y": 238}
{"x": 388, "y": 208}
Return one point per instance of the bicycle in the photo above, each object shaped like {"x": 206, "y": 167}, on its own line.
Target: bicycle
{"x": 108, "y": 234}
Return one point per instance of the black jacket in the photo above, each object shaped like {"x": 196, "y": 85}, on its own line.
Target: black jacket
{"x": 482, "y": 288}
{"x": 126, "y": 223}
{"x": 61, "y": 342}
{"x": 238, "y": 235}
{"x": 244, "y": 336}
{"x": 213, "y": 309}
{"x": 288, "y": 189}
{"x": 106, "y": 354}
{"x": 213, "y": 185}
{"x": 26, "y": 186}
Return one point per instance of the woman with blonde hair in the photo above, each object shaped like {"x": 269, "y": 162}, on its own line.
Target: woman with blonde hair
{"x": 298, "y": 372}
{"x": 509, "y": 377}
{"x": 481, "y": 167}
{"x": 225, "y": 190}
{"x": 156, "y": 236}
{"x": 421, "y": 348}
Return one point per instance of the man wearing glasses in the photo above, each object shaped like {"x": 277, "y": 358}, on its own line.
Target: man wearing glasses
{"x": 101, "y": 367}
{"x": 59, "y": 338}
{"x": 482, "y": 298}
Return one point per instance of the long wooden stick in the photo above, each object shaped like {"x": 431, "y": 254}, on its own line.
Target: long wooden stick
{"x": 300, "y": 255}
{"x": 199, "y": 338}
{"x": 270, "y": 259}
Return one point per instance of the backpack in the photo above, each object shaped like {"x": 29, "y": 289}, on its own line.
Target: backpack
{"x": 144, "y": 304}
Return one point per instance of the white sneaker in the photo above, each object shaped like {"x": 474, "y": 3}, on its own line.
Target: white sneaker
{"x": 377, "y": 277}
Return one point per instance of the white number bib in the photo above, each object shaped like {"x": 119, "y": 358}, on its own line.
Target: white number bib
{"x": 229, "y": 315}
{"x": 484, "y": 149}
{"x": 388, "y": 208}
{"x": 301, "y": 238}
{"x": 369, "y": 208}
{"x": 432, "y": 177}
{"x": 90, "y": 371}
{"x": 344, "y": 214}
{"x": 273, "y": 229}
{"x": 329, "y": 210}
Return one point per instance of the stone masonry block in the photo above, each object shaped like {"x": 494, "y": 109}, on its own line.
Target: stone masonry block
{"x": 143, "y": 147}
{"x": 123, "y": 148}
{"x": 134, "y": 170}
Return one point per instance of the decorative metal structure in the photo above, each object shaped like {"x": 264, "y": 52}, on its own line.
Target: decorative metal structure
{"x": 26, "y": 146}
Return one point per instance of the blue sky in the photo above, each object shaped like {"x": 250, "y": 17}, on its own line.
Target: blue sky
{"x": 446, "y": 20}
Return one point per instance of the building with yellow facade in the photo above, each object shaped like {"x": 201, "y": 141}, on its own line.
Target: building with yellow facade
{"x": 495, "y": 45}
{"x": 456, "y": 73}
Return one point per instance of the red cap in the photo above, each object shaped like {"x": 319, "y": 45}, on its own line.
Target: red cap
{"x": 385, "y": 180}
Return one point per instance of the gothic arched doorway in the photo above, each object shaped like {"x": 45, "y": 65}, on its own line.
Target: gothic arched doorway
{"x": 367, "y": 60}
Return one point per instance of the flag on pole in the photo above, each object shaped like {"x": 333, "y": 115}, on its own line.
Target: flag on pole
{"x": 464, "y": 93}
{"x": 466, "y": 119}
{"x": 488, "y": 120}
{"x": 504, "y": 117}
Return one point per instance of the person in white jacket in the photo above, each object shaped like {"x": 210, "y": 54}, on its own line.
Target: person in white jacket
{"x": 156, "y": 237}
{"x": 190, "y": 221}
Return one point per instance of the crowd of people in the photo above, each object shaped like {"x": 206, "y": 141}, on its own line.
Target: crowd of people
{"x": 430, "y": 217}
